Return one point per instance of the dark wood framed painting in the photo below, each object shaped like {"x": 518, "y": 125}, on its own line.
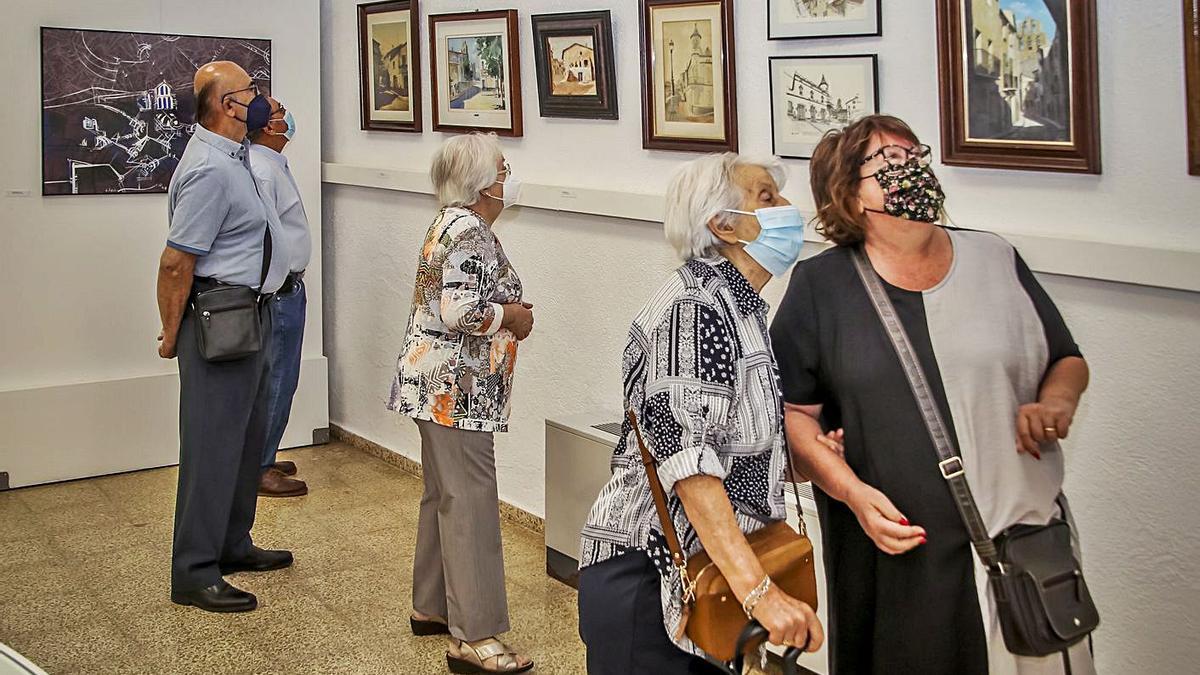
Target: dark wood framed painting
{"x": 576, "y": 72}
{"x": 689, "y": 91}
{"x": 389, "y": 57}
{"x": 475, "y": 63}
{"x": 1019, "y": 85}
{"x": 1191, "y": 58}
{"x": 806, "y": 19}
{"x": 812, "y": 94}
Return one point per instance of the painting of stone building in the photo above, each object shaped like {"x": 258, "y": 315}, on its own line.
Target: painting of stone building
{"x": 118, "y": 109}
{"x": 476, "y": 72}
{"x": 810, "y": 95}
{"x": 688, "y": 71}
{"x": 390, "y": 69}
{"x": 1017, "y": 63}
{"x": 572, "y": 65}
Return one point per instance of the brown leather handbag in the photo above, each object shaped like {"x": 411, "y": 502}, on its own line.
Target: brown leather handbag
{"x": 713, "y": 616}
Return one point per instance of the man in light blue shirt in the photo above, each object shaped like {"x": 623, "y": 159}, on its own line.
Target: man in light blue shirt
{"x": 288, "y": 306}
{"x": 221, "y": 234}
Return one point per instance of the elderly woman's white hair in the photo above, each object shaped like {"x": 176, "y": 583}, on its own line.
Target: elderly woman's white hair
{"x": 704, "y": 188}
{"x": 463, "y": 167}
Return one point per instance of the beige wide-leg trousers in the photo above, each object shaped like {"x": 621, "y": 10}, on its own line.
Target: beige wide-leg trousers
{"x": 458, "y": 569}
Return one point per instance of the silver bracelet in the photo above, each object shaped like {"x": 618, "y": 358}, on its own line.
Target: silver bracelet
{"x": 754, "y": 596}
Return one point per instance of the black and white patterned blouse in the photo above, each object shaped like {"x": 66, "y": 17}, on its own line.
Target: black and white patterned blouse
{"x": 700, "y": 375}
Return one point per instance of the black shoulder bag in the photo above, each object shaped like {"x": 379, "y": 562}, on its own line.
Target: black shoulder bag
{"x": 228, "y": 324}
{"x": 1041, "y": 596}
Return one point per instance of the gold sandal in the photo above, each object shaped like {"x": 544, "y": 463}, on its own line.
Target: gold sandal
{"x": 468, "y": 660}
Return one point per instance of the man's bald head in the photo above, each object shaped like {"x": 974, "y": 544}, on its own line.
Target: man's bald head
{"x": 213, "y": 81}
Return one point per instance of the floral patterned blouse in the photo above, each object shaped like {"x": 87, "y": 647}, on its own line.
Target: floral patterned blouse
{"x": 456, "y": 367}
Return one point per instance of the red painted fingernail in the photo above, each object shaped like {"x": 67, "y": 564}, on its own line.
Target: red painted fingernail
{"x": 924, "y": 541}
{"x": 904, "y": 522}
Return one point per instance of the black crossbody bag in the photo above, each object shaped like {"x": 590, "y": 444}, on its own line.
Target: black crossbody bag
{"x": 228, "y": 323}
{"x": 1041, "y": 596}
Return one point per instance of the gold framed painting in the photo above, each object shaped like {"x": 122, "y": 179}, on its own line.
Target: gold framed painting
{"x": 689, "y": 92}
{"x": 389, "y": 66}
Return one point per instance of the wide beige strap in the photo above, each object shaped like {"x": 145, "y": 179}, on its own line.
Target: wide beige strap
{"x": 490, "y": 649}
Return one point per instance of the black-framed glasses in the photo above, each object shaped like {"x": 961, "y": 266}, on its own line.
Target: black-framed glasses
{"x": 253, "y": 87}
{"x": 899, "y": 155}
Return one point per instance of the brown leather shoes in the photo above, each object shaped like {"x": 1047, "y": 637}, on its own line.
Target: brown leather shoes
{"x": 274, "y": 484}
{"x": 285, "y": 468}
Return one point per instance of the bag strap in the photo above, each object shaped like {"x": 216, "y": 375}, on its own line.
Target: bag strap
{"x": 664, "y": 514}
{"x": 267, "y": 241}
{"x": 950, "y": 464}
{"x": 660, "y": 505}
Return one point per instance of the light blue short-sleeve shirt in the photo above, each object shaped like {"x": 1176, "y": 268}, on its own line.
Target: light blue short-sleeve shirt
{"x": 279, "y": 187}
{"x": 216, "y": 213}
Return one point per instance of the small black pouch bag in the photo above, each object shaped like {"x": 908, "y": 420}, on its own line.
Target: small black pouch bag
{"x": 228, "y": 325}
{"x": 1041, "y": 596}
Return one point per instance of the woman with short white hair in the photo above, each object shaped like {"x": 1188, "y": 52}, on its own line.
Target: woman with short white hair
{"x": 700, "y": 377}
{"x": 454, "y": 376}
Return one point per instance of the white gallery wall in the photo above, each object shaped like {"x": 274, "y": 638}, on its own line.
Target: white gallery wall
{"x": 82, "y": 390}
{"x": 1132, "y": 456}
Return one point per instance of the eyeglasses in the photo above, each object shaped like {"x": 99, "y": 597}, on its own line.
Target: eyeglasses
{"x": 898, "y": 155}
{"x": 253, "y": 87}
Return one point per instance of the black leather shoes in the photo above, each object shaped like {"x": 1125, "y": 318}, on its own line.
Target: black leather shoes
{"x": 259, "y": 560}
{"x": 220, "y": 597}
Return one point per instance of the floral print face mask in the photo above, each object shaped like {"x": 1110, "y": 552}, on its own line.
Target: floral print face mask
{"x": 911, "y": 191}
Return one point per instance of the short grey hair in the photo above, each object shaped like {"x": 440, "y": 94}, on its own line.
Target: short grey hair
{"x": 463, "y": 167}
{"x": 704, "y": 188}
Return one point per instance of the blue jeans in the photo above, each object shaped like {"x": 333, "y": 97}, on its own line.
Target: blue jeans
{"x": 287, "y": 338}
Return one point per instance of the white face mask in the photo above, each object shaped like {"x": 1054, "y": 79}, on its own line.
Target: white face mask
{"x": 512, "y": 191}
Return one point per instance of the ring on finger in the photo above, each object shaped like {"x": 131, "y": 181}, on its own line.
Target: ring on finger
{"x": 1050, "y": 430}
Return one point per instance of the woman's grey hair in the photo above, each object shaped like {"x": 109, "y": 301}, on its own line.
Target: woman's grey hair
{"x": 463, "y": 167}
{"x": 704, "y": 188}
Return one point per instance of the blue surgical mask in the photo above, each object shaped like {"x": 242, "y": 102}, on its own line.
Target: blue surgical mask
{"x": 290, "y": 121}
{"x": 780, "y": 238}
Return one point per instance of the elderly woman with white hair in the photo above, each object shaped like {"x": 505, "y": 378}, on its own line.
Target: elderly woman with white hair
{"x": 454, "y": 377}
{"x": 700, "y": 377}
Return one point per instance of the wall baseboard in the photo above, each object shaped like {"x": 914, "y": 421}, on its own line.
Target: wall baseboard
{"x": 68, "y": 431}
{"x": 512, "y": 514}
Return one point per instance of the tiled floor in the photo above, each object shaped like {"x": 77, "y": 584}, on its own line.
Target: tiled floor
{"x": 84, "y": 580}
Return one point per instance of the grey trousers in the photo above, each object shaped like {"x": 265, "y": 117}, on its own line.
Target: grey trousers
{"x": 222, "y": 433}
{"x": 458, "y": 569}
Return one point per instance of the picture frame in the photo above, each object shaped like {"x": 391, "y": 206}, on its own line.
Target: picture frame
{"x": 1191, "y": 67}
{"x": 689, "y": 100}
{"x": 121, "y": 131}
{"x": 475, "y": 68}
{"x": 575, "y": 64}
{"x": 813, "y": 19}
{"x": 812, "y": 94}
{"x": 1019, "y": 85}
{"x": 389, "y": 64}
